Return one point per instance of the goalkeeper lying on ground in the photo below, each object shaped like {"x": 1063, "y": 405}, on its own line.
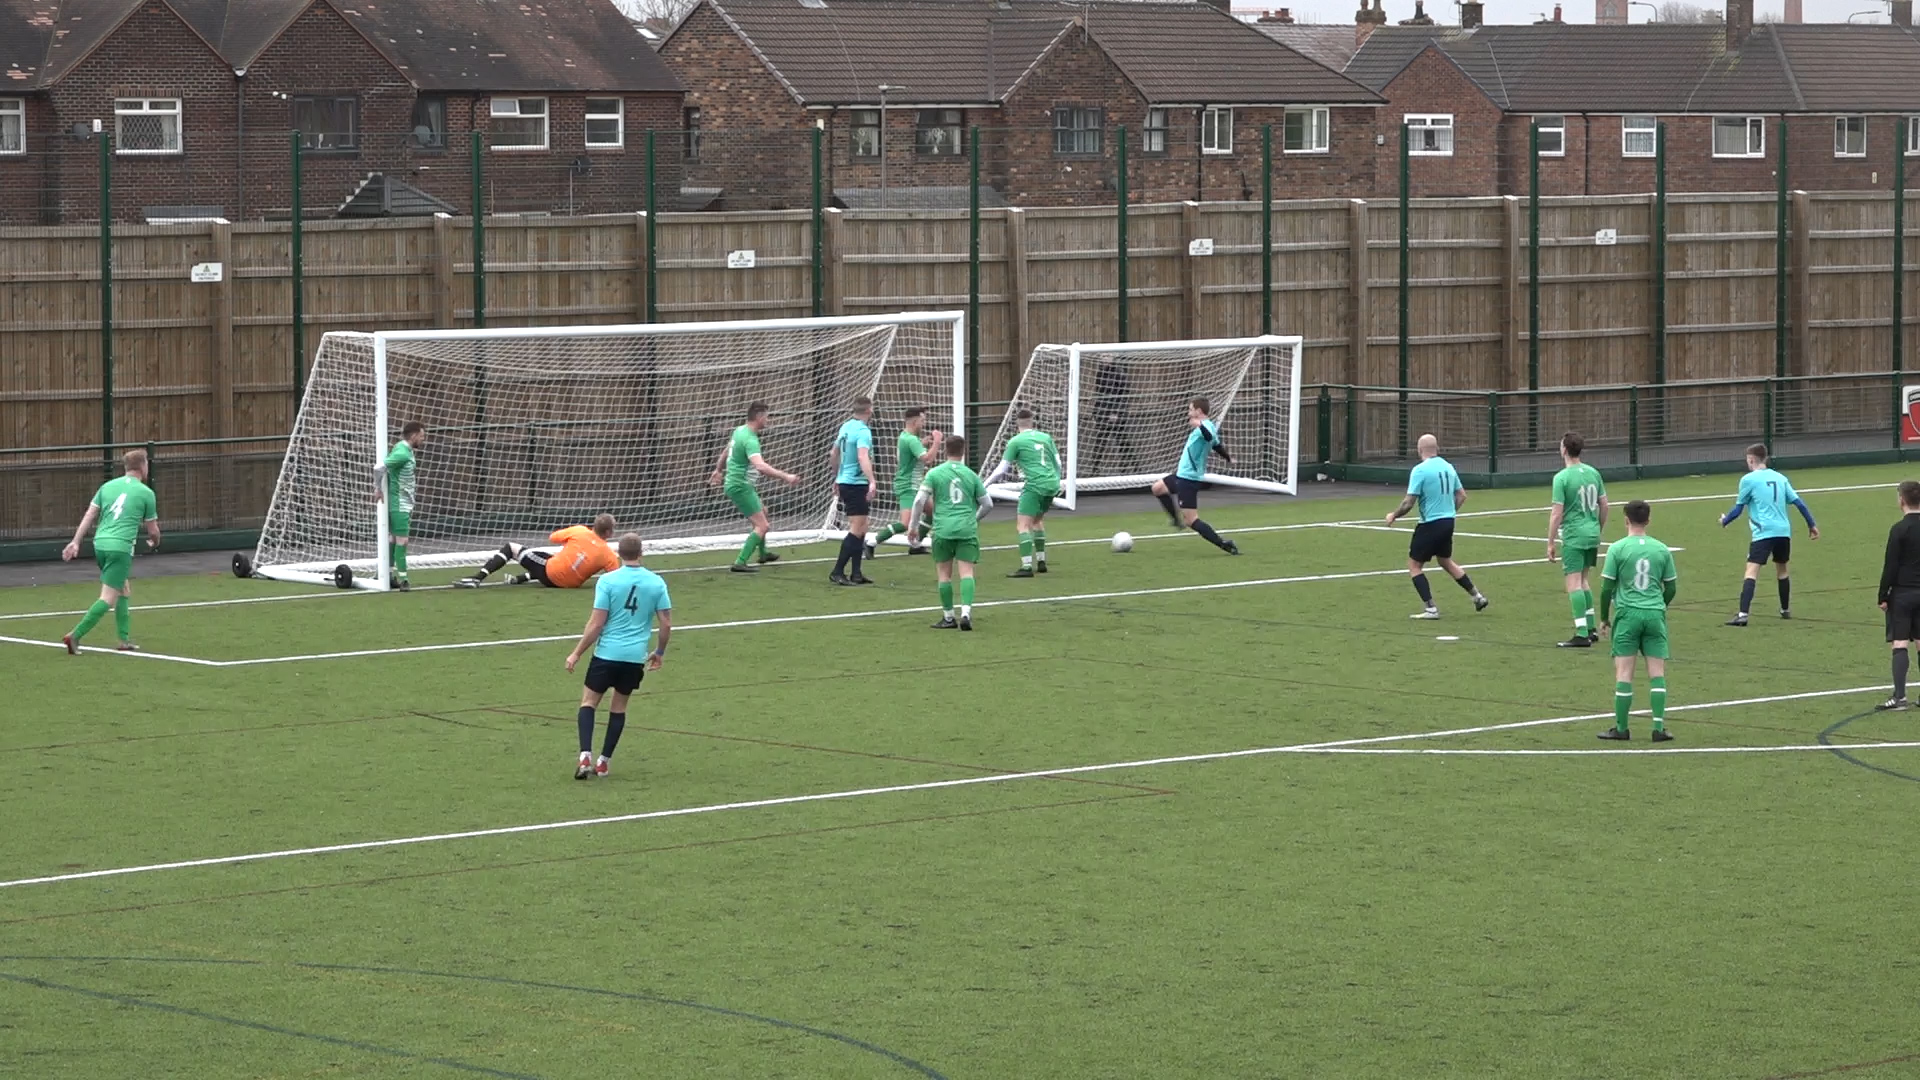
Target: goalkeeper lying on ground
{"x": 583, "y": 553}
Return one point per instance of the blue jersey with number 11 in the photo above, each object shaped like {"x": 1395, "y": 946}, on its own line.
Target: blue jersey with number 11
{"x": 630, "y": 596}
{"x": 1766, "y": 494}
{"x": 1434, "y": 481}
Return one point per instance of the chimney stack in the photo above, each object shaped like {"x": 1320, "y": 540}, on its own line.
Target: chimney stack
{"x": 1902, "y": 12}
{"x": 1794, "y": 14}
{"x": 1739, "y": 23}
{"x": 1370, "y": 16}
{"x": 1284, "y": 15}
{"x": 1472, "y": 14}
{"x": 1556, "y": 13}
{"x": 1420, "y": 16}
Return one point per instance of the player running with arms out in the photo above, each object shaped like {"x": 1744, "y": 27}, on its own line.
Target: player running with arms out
{"x": 1033, "y": 452}
{"x": 739, "y": 463}
{"x": 1579, "y": 513}
{"x": 1640, "y": 575}
{"x": 1765, "y": 495}
{"x": 852, "y": 464}
{"x": 913, "y": 458}
{"x": 626, "y": 602}
{"x": 583, "y": 553}
{"x": 121, "y": 508}
{"x": 1900, "y": 589}
{"x": 1183, "y": 484}
{"x": 394, "y": 482}
{"x": 1434, "y": 486}
{"x": 954, "y": 496}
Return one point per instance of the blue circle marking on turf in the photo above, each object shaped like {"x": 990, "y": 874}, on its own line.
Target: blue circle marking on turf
{"x": 1826, "y": 740}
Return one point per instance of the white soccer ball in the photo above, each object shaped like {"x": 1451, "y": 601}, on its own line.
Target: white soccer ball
{"x": 1122, "y": 542}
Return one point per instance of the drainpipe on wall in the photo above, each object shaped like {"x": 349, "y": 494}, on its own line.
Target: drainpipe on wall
{"x": 240, "y": 143}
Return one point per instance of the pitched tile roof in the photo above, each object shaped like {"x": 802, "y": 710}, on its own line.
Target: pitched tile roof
{"x": 1331, "y": 44}
{"x": 968, "y": 51}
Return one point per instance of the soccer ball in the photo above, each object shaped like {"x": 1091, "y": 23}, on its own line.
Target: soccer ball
{"x": 1122, "y": 542}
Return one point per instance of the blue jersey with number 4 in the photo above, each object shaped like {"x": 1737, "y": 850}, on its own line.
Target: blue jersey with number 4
{"x": 1766, "y": 494}
{"x": 630, "y": 596}
{"x": 854, "y": 434}
{"x": 1434, "y": 481}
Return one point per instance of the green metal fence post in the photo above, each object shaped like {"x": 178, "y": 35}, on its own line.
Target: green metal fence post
{"x": 1766, "y": 415}
{"x": 1633, "y": 427}
{"x": 106, "y": 300}
{"x": 298, "y": 273}
{"x": 153, "y": 457}
{"x": 479, "y": 231}
{"x": 973, "y": 288}
{"x": 1660, "y": 281}
{"x": 1266, "y": 228}
{"x": 1348, "y": 390}
{"x": 1899, "y": 278}
{"x": 1323, "y": 413}
{"x": 1533, "y": 284}
{"x": 1120, "y": 147}
{"x": 819, "y": 229}
{"x": 1405, "y": 270}
{"x": 1493, "y": 432}
{"x": 1780, "y": 263}
{"x": 653, "y": 238}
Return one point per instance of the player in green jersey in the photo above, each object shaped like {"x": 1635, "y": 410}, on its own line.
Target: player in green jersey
{"x": 1641, "y": 574}
{"x": 1579, "y": 513}
{"x": 1031, "y": 451}
{"x": 121, "y": 508}
{"x": 394, "y": 484}
{"x": 912, "y": 457}
{"x": 739, "y": 463}
{"x": 954, "y": 497}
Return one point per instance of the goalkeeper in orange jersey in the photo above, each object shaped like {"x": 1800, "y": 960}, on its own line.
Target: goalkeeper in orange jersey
{"x": 583, "y": 553}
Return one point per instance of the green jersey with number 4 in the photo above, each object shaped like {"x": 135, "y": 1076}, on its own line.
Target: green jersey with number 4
{"x": 956, "y": 492}
{"x": 1039, "y": 460}
{"x": 125, "y": 504}
{"x": 1578, "y": 489}
{"x": 1640, "y": 568}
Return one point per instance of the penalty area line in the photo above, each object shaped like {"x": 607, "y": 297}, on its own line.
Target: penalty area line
{"x": 890, "y": 789}
{"x": 1433, "y": 751}
{"x": 114, "y": 652}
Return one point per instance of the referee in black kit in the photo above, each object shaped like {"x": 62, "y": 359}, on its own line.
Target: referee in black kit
{"x": 1900, "y": 589}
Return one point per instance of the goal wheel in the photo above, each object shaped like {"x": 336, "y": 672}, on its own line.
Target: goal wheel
{"x": 242, "y": 566}
{"x": 343, "y": 576}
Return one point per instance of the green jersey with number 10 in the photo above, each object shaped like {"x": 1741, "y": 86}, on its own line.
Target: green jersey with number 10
{"x": 1640, "y": 567}
{"x": 1578, "y": 489}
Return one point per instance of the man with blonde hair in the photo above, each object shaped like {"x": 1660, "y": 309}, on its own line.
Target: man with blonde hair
{"x": 625, "y": 604}
{"x": 121, "y": 508}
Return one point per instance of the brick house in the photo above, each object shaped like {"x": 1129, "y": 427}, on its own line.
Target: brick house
{"x": 895, "y": 86}
{"x": 199, "y": 98}
{"x": 1847, "y": 93}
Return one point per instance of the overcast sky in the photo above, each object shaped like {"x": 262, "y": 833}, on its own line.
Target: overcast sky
{"x": 1526, "y": 11}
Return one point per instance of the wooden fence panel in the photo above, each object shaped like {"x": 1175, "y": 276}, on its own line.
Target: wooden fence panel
{"x": 696, "y": 284}
{"x": 1720, "y": 286}
{"x": 1596, "y": 299}
{"x": 1849, "y": 282}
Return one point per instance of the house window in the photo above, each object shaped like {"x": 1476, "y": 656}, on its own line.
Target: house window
{"x": 866, "y": 133}
{"x": 1639, "y": 135}
{"x": 13, "y": 126}
{"x": 1913, "y": 134}
{"x": 1153, "y": 133}
{"x": 146, "y": 125}
{"x": 1077, "y": 131}
{"x": 690, "y": 126}
{"x": 606, "y": 123}
{"x": 1849, "y": 136}
{"x": 1553, "y": 135}
{"x": 1430, "y": 134}
{"x": 1739, "y": 136}
{"x": 327, "y": 123}
{"x": 518, "y": 123}
{"x": 936, "y": 132}
{"x": 1216, "y": 131}
{"x": 430, "y": 123}
{"x": 1308, "y": 131}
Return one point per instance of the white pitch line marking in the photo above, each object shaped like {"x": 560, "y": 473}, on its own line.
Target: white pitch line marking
{"x": 1659, "y": 752}
{"x": 114, "y": 652}
{"x": 892, "y": 789}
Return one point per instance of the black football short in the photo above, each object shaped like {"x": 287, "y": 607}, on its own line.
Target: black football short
{"x": 535, "y": 563}
{"x": 1903, "y": 615}
{"x": 1185, "y": 492}
{"x": 1778, "y": 548}
{"x": 853, "y": 499}
{"x": 620, "y": 676}
{"x": 1432, "y": 540}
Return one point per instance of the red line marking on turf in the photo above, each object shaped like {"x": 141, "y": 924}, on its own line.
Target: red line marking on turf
{"x": 1854, "y": 1067}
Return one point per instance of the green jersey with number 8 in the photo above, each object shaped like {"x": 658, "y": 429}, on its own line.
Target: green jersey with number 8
{"x": 1640, "y": 568}
{"x": 956, "y": 492}
{"x": 125, "y": 504}
{"x": 1578, "y": 489}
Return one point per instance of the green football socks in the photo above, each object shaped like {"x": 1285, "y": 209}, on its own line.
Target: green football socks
{"x": 1040, "y": 545}
{"x": 892, "y": 530}
{"x": 1658, "y": 697}
{"x": 1581, "y": 607}
{"x": 91, "y": 619}
{"x": 123, "y": 620}
{"x": 1623, "y": 704}
{"x": 399, "y": 556}
{"x": 746, "y": 549}
{"x": 946, "y": 598}
{"x": 1026, "y": 551}
{"x": 966, "y": 595}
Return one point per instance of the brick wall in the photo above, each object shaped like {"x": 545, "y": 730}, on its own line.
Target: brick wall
{"x": 1432, "y": 84}
{"x": 754, "y": 139}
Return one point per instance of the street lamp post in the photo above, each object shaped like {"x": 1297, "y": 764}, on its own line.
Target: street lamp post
{"x": 884, "y": 88}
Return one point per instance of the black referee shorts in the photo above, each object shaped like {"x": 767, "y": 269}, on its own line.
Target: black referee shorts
{"x": 1903, "y": 615}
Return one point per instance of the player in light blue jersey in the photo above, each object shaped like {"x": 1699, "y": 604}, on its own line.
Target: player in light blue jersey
{"x": 1764, "y": 497}
{"x": 1435, "y": 487}
{"x": 1183, "y": 484}
{"x": 852, "y": 462}
{"x": 625, "y": 604}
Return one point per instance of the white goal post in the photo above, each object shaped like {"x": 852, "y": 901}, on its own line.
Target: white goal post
{"x": 531, "y": 429}
{"x": 1119, "y": 411}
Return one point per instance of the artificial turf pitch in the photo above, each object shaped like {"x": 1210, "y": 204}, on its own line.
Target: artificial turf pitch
{"x": 1286, "y": 914}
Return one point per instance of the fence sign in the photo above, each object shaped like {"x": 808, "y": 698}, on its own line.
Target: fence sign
{"x": 1606, "y": 237}
{"x": 1200, "y": 246}
{"x": 1910, "y": 414}
{"x": 207, "y": 273}
{"x": 740, "y": 260}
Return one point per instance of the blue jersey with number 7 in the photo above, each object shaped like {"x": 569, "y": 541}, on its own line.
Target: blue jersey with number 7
{"x": 1766, "y": 494}
{"x": 630, "y": 596}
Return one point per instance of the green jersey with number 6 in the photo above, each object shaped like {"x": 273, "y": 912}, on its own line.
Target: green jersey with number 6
{"x": 125, "y": 504}
{"x": 1640, "y": 568}
{"x": 1039, "y": 460}
{"x": 956, "y": 492}
{"x": 1579, "y": 489}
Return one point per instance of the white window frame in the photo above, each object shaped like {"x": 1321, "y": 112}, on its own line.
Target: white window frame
{"x": 1843, "y": 129}
{"x": 945, "y": 138}
{"x": 1429, "y": 122}
{"x": 1639, "y": 124}
{"x": 1154, "y": 131}
{"x": 1913, "y": 136}
{"x": 1559, "y": 126}
{"x": 618, "y": 116}
{"x": 125, "y": 107}
{"x": 309, "y": 135}
{"x": 518, "y": 106}
{"x": 1752, "y": 124}
{"x": 13, "y": 140}
{"x": 1318, "y": 129}
{"x": 1211, "y": 130}
{"x": 859, "y": 147}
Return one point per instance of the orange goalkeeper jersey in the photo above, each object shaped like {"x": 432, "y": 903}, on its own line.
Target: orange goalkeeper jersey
{"x": 582, "y": 554}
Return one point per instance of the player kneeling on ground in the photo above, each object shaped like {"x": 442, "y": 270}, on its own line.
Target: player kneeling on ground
{"x": 625, "y": 603}
{"x": 956, "y": 499}
{"x": 583, "y": 553}
{"x": 1641, "y": 574}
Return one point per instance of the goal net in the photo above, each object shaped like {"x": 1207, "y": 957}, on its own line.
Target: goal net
{"x": 534, "y": 428}
{"x": 1119, "y": 412}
